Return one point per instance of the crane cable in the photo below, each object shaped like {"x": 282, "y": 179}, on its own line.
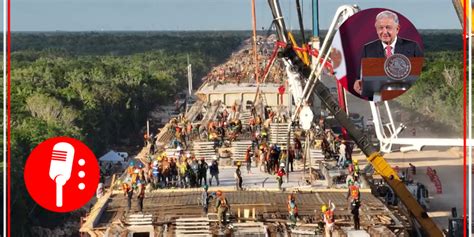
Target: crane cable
{"x": 304, "y": 57}
{"x": 254, "y": 28}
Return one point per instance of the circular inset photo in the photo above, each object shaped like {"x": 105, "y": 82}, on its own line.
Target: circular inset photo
{"x": 377, "y": 54}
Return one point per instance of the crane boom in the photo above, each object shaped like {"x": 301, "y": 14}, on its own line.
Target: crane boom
{"x": 362, "y": 141}
{"x": 460, "y": 11}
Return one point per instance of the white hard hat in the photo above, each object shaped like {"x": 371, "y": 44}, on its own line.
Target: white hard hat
{"x": 282, "y": 165}
{"x": 179, "y": 148}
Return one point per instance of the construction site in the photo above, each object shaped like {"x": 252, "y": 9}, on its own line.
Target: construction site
{"x": 407, "y": 187}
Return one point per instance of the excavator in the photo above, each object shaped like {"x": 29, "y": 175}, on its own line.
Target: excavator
{"x": 308, "y": 83}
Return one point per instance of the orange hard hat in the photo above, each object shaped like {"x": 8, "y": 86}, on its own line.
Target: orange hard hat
{"x": 219, "y": 193}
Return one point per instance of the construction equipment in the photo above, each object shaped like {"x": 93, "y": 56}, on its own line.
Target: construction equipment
{"x": 314, "y": 85}
{"x": 461, "y": 10}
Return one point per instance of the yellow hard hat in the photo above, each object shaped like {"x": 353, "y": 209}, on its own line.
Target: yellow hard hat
{"x": 324, "y": 208}
{"x": 238, "y": 163}
{"x": 355, "y": 162}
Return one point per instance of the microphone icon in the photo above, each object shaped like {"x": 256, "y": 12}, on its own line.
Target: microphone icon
{"x": 60, "y": 169}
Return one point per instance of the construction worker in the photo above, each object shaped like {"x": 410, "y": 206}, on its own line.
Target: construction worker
{"x": 183, "y": 167}
{"x": 328, "y": 217}
{"x": 141, "y": 194}
{"x": 248, "y": 159}
{"x": 205, "y": 199}
{"x": 202, "y": 172}
{"x": 292, "y": 208}
{"x": 297, "y": 148}
{"x": 353, "y": 196}
{"x": 222, "y": 206}
{"x": 349, "y": 179}
{"x": 342, "y": 154}
{"x": 128, "y": 192}
{"x": 281, "y": 172}
{"x": 356, "y": 167}
{"x": 353, "y": 193}
{"x": 355, "y": 213}
{"x": 291, "y": 158}
{"x": 214, "y": 170}
{"x": 194, "y": 173}
{"x": 238, "y": 176}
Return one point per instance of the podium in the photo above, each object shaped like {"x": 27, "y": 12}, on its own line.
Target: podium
{"x": 377, "y": 85}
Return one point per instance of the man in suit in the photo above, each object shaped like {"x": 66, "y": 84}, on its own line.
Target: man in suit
{"x": 387, "y": 27}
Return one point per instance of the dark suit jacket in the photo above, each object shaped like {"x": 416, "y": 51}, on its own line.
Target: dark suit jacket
{"x": 403, "y": 46}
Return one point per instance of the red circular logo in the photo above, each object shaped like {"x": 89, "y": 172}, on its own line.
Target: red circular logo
{"x": 61, "y": 174}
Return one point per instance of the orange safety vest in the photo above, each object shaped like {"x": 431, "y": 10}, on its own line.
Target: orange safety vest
{"x": 130, "y": 170}
{"x": 354, "y": 192}
{"x": 134, "y": 178}
{"x": 329, "y": 216}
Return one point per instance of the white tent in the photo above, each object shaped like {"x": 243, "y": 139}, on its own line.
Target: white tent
{"x": 112, "y": 156}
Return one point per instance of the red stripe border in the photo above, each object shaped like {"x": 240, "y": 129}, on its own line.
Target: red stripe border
{"x": 464, "y": 118}
{"x": 8, "y": 119}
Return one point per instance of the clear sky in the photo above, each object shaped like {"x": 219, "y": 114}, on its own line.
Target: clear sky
{"x": 95, "y": 15}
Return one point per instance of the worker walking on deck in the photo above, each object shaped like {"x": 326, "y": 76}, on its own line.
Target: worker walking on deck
{"x": 214, "y": 171}
{"x": 328, "y": 217}
{"x": 291, "y": 158}
{"x": 222, "y": 206}
{"x": 128, "y": 192}
{"x": 281, "y": 172}
{"x": 356, "y": 168}
{"x": 141, "y": 195}
{"x": 248, "y": 159}
{"x": 342, "y": 154}
{"x": 292, "y": 208}
{"x": 297, "y": 146}
{"x": 355, "y": 214}
{"x": 354, "y": 202}
{"x": 238, "y": 177}
{"x": 205, "y": 199}
{"x": 203, "y": 172}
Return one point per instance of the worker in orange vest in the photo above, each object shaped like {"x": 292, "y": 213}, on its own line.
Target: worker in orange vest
{"x": 128, "y": 192}
{"x": 354, "y": 196}
{"x": 222, "y": 206}
{"x": 328, "y": 217}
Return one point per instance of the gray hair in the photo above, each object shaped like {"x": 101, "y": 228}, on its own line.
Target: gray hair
{"x": 387, "y": 14}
